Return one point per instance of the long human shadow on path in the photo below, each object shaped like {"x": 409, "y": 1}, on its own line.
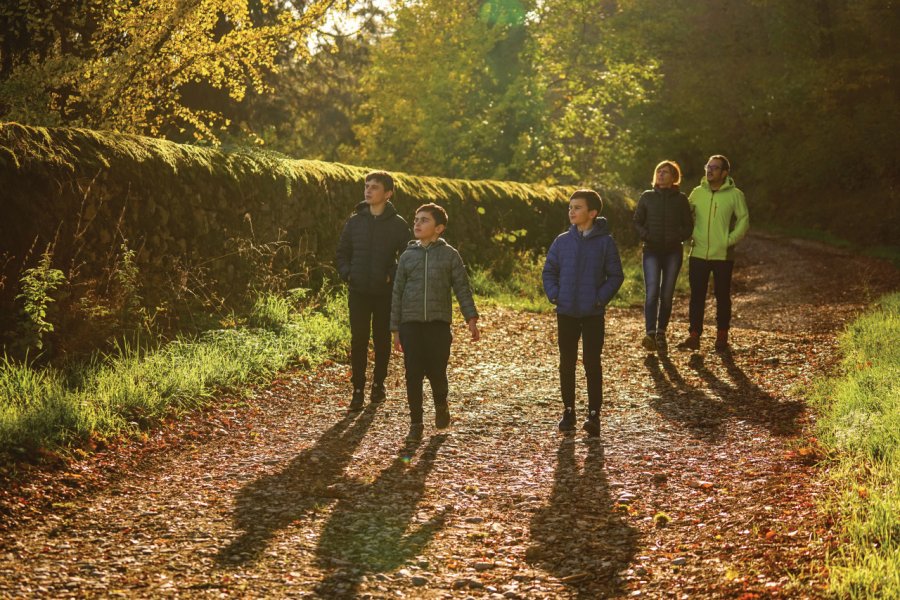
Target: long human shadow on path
{"x": 271, "y": 503}
{"x": 704, "y": 412}
{"x": 371, "y": 531}
{"x": 579, "y": 537}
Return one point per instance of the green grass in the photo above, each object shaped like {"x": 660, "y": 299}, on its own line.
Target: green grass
{"x": 132, "y": 388}
{"x": 859, "y": 424}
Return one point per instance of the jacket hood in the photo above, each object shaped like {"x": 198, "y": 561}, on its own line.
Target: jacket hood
{"x": 601, "y": 227}
{"x": 729, "y": 183}
{"x": 363, "y": 209}
{"x": 417, "y": 244}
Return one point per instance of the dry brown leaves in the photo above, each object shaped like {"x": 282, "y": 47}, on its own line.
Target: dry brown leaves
{"x": 703, "y": 483}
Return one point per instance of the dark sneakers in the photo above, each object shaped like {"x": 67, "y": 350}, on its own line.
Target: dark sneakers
{"x": 377, "y": 395}
{"x": 691, "y": 343}
{"x": 441, "y": 415}
{"x": 416, "y": 430}
{"x": 592, "y": 424}
{"x": 649, "y": 342}
{"x": 356, "y": 403}
{"x": 662, "y": 344}
{"x": 722, "y": 341}
{"x": 567, "y": 422}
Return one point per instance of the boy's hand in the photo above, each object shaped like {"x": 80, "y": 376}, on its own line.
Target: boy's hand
{"x": 398, "y": 347}
{"x": 473, "y": 328}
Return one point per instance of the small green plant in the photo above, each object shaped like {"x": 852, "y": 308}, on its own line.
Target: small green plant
{"x": 127, "y": 278}
{"x": 37, "y": 287}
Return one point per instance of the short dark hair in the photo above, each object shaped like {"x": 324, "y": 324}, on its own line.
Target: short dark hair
{"x": 726, "y": 166}
{"x": 382, "y": 177}
{"x": 438, "y": 212}
{"x": 594, "y": 202}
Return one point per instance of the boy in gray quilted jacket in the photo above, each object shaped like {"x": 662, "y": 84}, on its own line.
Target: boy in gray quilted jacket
{"x": 421, "y": 310}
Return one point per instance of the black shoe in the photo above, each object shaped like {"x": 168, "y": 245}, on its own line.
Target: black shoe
{"x": 356, "y": 403}
{"x": 441, "y": 415}
{"x": 567, "y": 422}
{"x": 592, "y": 424}
{"x": 661, "y": 342}
{"x": 692, "y": 342}
{"x": 415, "y": 432}
{"x": 377, "y": 395}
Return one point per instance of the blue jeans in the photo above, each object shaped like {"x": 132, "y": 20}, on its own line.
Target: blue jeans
{"x": 660, "y": 273}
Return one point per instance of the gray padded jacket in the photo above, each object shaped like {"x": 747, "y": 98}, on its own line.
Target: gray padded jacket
{"x": 425, "y": 276}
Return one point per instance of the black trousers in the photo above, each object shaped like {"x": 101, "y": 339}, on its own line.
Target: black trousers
{"x": 699, "y": 271}
{"x": 426, "y": 352}
{"x": 591, "y": 330}
{"x": 369, "y": 311}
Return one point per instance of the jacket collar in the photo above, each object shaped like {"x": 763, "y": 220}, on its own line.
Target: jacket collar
{"x": 417, "y": 244}
{"x": 601, "y": 227}
{"x": 363, "y": 209}
{"x": 729, "y": 183}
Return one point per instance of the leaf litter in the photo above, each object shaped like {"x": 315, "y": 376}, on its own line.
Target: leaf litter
{"x": 703, "y": 483}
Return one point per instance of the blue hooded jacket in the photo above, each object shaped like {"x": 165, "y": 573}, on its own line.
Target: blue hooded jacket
{"x": 582, "y": 273}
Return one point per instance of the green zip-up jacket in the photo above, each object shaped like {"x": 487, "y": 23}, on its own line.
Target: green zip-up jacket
{"x": 425, "y": 277}
{"x": 720, "y": 220}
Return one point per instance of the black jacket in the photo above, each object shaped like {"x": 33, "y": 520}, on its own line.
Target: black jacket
{"x": 663, "y": 219}
{"x": 368, "y": 249}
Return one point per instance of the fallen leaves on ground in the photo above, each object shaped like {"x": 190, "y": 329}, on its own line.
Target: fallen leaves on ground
{"x": 703, "y": 483}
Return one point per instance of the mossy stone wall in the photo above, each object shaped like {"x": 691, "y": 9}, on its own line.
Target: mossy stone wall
{"x": 181, "y": 206}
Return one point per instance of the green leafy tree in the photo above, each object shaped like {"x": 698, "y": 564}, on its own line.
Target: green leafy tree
{"x": 132, "y": 66}
{"x": 315, "y": 100}
{"x": 448, "y": 93}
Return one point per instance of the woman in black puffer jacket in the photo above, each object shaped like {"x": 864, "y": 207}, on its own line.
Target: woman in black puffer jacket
{"x": 663, "y": 221}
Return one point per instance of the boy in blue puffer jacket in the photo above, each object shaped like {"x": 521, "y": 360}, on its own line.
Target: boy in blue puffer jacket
{"x": 581, "y": 275}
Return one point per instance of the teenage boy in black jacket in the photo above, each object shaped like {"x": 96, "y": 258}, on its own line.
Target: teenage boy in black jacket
{"x": 367, "y": 253}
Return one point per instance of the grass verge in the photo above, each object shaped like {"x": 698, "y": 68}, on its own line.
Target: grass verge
{"x": 859, "y": 424}
{"x": 133, "y": 388}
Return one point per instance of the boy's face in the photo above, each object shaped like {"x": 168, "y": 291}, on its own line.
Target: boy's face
{"x": 579, "y": 215}
{"x": 425, "y": 228}
{"x": 375, "y": 193}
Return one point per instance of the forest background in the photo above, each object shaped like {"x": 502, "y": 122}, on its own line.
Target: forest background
{"x": 800, "y": 94}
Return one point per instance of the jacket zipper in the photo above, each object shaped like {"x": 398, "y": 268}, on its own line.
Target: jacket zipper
{"x": 712, "y": 197}
{"x": 425, "y": 304}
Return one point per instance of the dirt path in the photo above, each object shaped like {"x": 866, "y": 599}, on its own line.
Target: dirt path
{"x": 701, "y": 485}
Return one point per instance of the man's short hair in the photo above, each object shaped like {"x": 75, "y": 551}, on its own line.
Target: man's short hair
{"x": 437, "y": 212}
{"x": 725, "y": 164}
{"x": 382, "y": 177}
{"x": 676, "y": 171}
{"x": 592, "y": 198}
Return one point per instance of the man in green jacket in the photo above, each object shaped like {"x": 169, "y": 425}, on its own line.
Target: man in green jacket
{"x": 720, "y": 221}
